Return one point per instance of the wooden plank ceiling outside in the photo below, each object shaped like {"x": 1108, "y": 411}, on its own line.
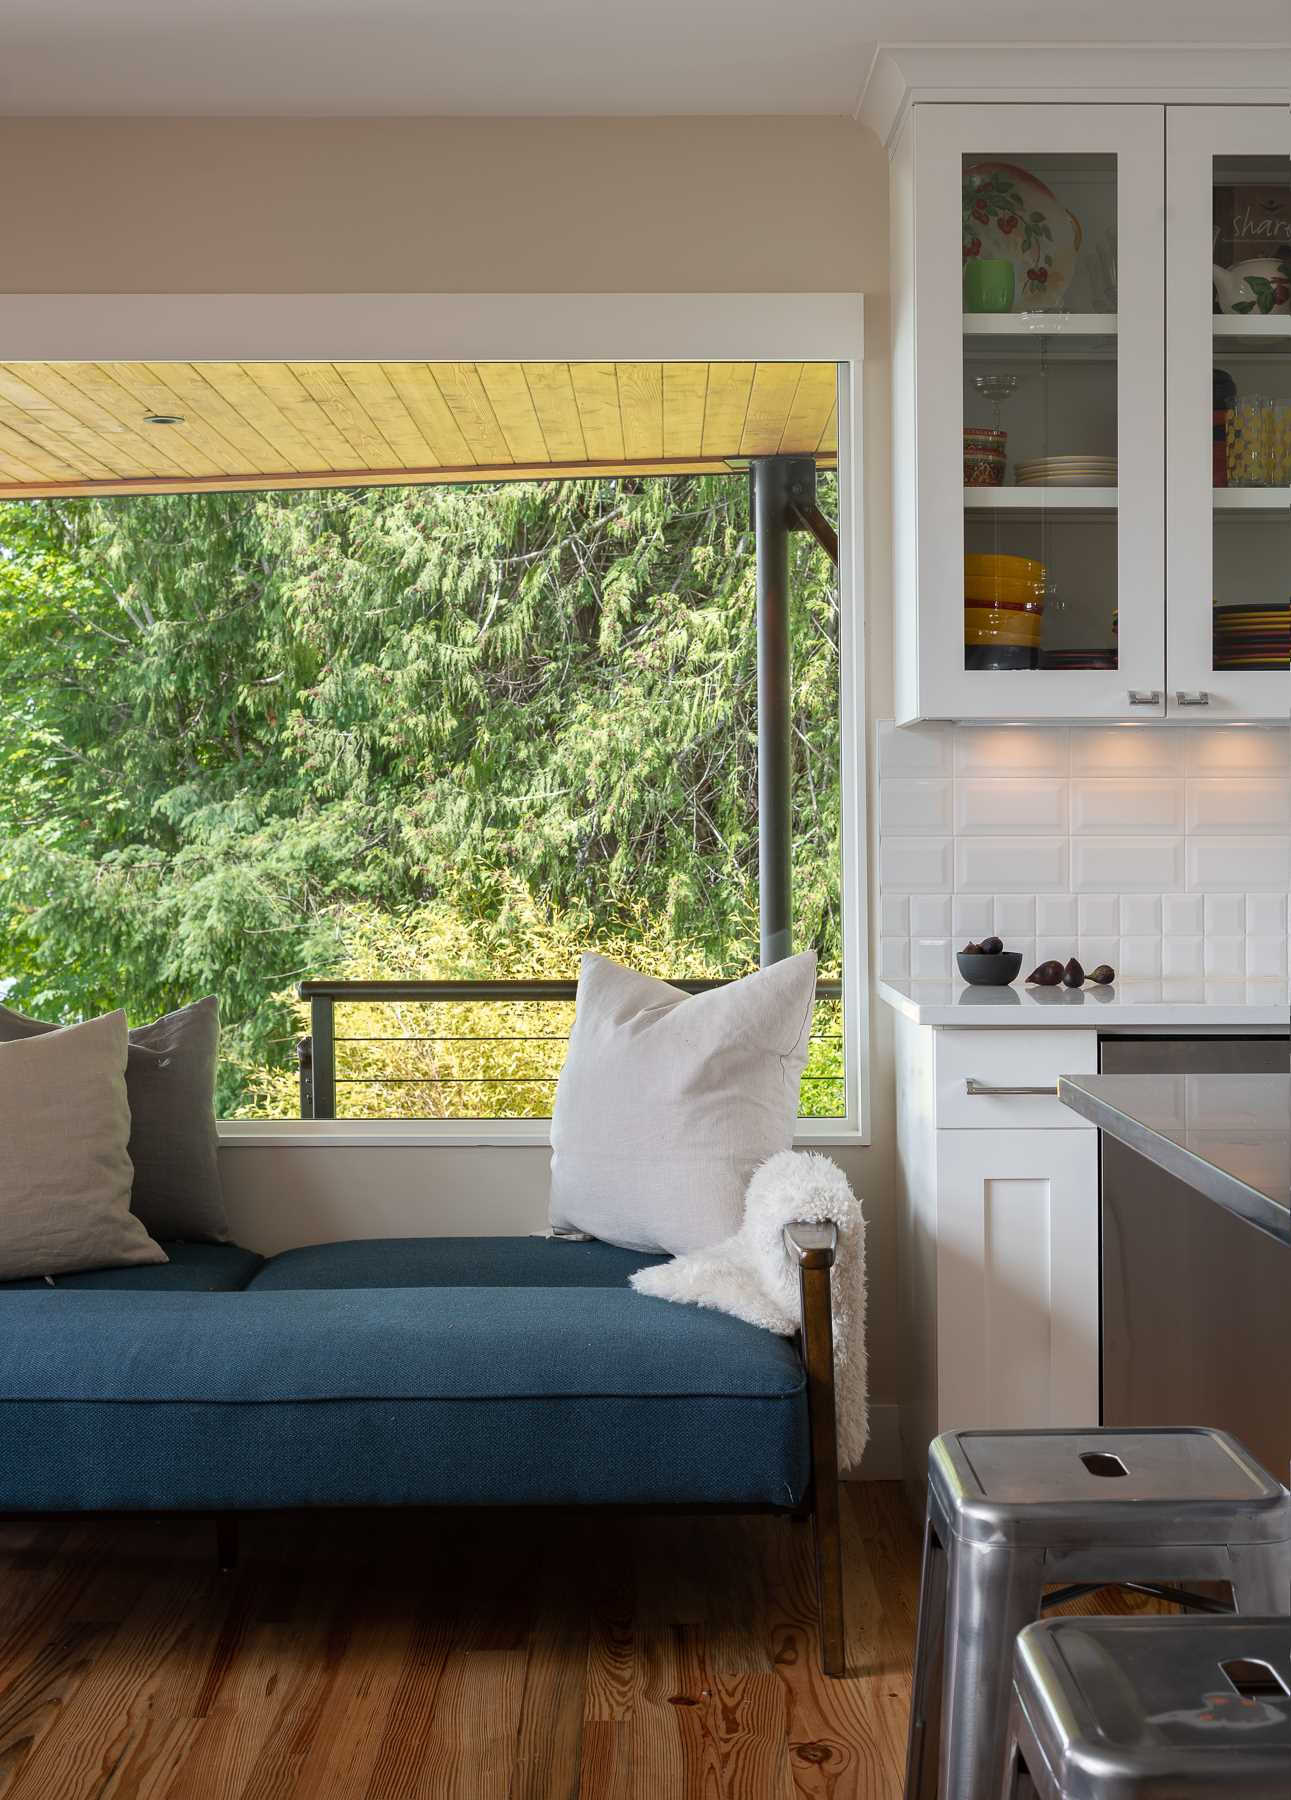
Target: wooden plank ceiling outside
{"x": 82, "y": 428}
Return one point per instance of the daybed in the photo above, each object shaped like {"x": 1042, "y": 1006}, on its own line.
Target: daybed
{"x": 415, "y": 1372}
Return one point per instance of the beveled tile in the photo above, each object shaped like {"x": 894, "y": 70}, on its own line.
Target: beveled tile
{"x": 1002, "y": 865}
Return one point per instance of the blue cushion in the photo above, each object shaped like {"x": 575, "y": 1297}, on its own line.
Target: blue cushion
{"x": 452, "y": 1262}
{"x": 192, "y": 1269}
{"x": 401, "y": 1396}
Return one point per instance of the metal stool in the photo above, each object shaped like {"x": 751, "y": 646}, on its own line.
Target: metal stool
{"x": 1121, "y": 1709}
{"x": 1013, "y": 1512}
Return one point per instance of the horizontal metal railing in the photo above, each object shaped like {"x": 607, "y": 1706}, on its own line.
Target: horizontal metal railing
{"x": 318, "y": 1060}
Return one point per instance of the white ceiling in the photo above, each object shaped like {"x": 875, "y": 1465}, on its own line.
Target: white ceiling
{"x": 597, "y": 57}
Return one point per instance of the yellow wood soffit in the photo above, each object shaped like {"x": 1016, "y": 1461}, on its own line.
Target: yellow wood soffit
{"x": 83, "y": 428}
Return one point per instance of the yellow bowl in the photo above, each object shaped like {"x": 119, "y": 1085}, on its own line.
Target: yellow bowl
{"x": 1016, "y": 567}
{"x": 1004, "y": 590}
{"x": 988, "y": 625}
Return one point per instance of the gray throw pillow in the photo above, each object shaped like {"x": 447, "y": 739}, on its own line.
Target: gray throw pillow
{"x": 668, "y": 1102}
{"x": 170, "y": 1079}
{"x": 65, "y": 1172}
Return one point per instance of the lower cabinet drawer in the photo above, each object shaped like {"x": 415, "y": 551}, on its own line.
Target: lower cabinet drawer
{"x": 972, "y": 1063}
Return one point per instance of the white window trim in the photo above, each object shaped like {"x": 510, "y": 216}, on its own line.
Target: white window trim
{"x": 822, "y": 327}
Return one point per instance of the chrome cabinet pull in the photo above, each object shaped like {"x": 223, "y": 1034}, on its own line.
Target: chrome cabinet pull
{"x": 1145, "y": 696}
{"x": 1199, "y": 698}
{"x": 973, "y": 1086}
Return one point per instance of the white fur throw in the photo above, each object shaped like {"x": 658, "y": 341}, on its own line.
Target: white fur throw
{"x": 752, "y": 1276}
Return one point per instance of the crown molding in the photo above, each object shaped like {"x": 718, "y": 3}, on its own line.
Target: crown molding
{"x": 901, "y": 75}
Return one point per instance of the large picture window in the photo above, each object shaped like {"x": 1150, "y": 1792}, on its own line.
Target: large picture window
{"x": 453, "y": 732}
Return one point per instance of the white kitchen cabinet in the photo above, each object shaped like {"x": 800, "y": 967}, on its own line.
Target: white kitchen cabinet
{"x": 998, "y": 1209}
{"x": 1088, "y": 601}
{"x": 1228, "y": 543}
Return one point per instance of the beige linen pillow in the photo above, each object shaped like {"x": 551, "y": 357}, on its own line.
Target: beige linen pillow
{"x": 65, "y": 1170}
{"x": 668, "y": 1102}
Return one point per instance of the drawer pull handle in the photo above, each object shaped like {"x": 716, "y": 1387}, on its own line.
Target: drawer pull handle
{"x": 974, "y": 1086}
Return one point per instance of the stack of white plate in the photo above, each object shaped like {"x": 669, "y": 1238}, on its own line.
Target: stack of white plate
{"x": 1066, "y": 471}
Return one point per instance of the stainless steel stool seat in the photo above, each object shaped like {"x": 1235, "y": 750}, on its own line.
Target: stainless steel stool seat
{"x": 1123, "y": 1709}
{"x": 1012, "y": 1513}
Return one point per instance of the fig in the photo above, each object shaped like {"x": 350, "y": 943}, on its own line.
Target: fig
{"x": 1103, "y": 974}
{"x": 991, "y": 946}
{"x": 971, "y": 949}
{"x": 1049, "y": 974}
{"x": 1073, "y": 976}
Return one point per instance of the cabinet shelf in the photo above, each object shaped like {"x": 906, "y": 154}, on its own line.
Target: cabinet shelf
{"x": 1073, "y": 337}
{"x": 1024, "y": 503}
{"x": 1264, "y": 500}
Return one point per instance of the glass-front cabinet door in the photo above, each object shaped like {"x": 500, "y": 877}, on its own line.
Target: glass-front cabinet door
{"x": 1029, "y": 353}
{"x": 1228, "y": 412}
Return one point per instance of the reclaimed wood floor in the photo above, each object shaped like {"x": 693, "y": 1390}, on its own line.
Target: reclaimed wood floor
{"x": 576, "y": 1656}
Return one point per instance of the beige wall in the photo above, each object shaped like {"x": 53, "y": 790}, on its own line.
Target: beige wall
{"x": 701, "y": 205}
{"x": 430, "y": 205}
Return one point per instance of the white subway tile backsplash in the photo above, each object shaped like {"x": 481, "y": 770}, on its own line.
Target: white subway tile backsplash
{"x": 1266, "y": 957}
{"x": 1237, "y": 752}
{"x": 1182, "y": 914}
{"x": 929, "y": 959}
{"x": 1007, "y": 751}
{"x": 1126, "y": 864}
{"x": 1240, "y": 804}
{"x": 1125, "y": 750}
{"x": 990, "y": 804}
{"x": 894, "y": 915}
{"x": 1266, "y": 915}
{"x": 1000, "y": 865}
{"x": 1164, "y": 853}
{"x": 1140, "y": 913}
{"x": 910, "y": 808}
{"x": 1225, "y": 914}
{"x": 973, "y": 916}
{"x": 1225, "y": 956}
{"x": 1055, "y": 917}
{"x": 1182, "y": 955}
{"x": 1140, "y": 957}
{"x": 894, "y": 958}
{"x": 1099, "y": 915}
{"x": 930, "y": 915}
{"x": 1216, "y": 864}
{"x": 917, "y": 865}
{"x": 1015, "y": 916}
{"x": 1134, "y": 807}
{"x": 914, "y": 750}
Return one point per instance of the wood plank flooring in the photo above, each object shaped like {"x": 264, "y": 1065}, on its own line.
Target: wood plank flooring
{"x": 478, "y": 1655}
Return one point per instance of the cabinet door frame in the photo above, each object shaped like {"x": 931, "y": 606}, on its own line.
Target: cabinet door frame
{"x": 928, "y": 350}
{"x": 1194, "y": 136}
{"x": 984, "y": 1314}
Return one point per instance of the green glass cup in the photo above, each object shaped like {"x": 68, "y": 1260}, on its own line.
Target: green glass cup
{"x": 988, "y": 284}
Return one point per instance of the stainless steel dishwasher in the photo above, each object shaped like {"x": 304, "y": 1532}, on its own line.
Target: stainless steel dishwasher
{"x": 1196, "y": 1305}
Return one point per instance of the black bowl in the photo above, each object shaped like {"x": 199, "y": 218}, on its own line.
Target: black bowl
{"x": 990, "y": 971}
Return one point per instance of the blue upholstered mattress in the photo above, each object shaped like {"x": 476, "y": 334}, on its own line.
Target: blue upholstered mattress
{"x": 462, "y": 1371}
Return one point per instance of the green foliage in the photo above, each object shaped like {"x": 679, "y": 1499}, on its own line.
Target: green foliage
{"x": 245, "y": 738}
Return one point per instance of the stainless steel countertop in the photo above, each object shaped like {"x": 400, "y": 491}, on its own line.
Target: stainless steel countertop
{"x": 1227, "y": 1136}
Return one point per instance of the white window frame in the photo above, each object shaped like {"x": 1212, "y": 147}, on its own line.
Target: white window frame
{"x": 822, "y": 327}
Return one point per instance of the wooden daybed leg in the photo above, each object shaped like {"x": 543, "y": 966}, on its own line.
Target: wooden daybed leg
{"x": 226, "y": 1542}
{"x": 813, "y": 1248}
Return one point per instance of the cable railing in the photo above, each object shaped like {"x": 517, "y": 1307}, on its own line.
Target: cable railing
{"x": 482, "y": 1049}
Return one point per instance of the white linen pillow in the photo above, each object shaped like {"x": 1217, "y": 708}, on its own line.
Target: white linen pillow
{"x": 668, "y": 1101}
{"x": 65, "y": 1169}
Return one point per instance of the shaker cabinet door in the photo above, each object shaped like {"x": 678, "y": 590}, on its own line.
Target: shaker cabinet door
{"x": 1228, "y": 412}
{"x": 1017, "y": 1279}
{"x": 1029, "y": 421}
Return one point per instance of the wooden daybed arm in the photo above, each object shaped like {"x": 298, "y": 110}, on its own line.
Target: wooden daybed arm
{"x": 814, "y": 1248}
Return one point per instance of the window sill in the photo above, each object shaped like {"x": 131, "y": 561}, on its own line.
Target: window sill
{"x": 440, "y": 1134}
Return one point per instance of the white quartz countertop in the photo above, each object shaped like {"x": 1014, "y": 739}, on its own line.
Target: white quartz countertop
{"x": 1124, "y": 1005}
